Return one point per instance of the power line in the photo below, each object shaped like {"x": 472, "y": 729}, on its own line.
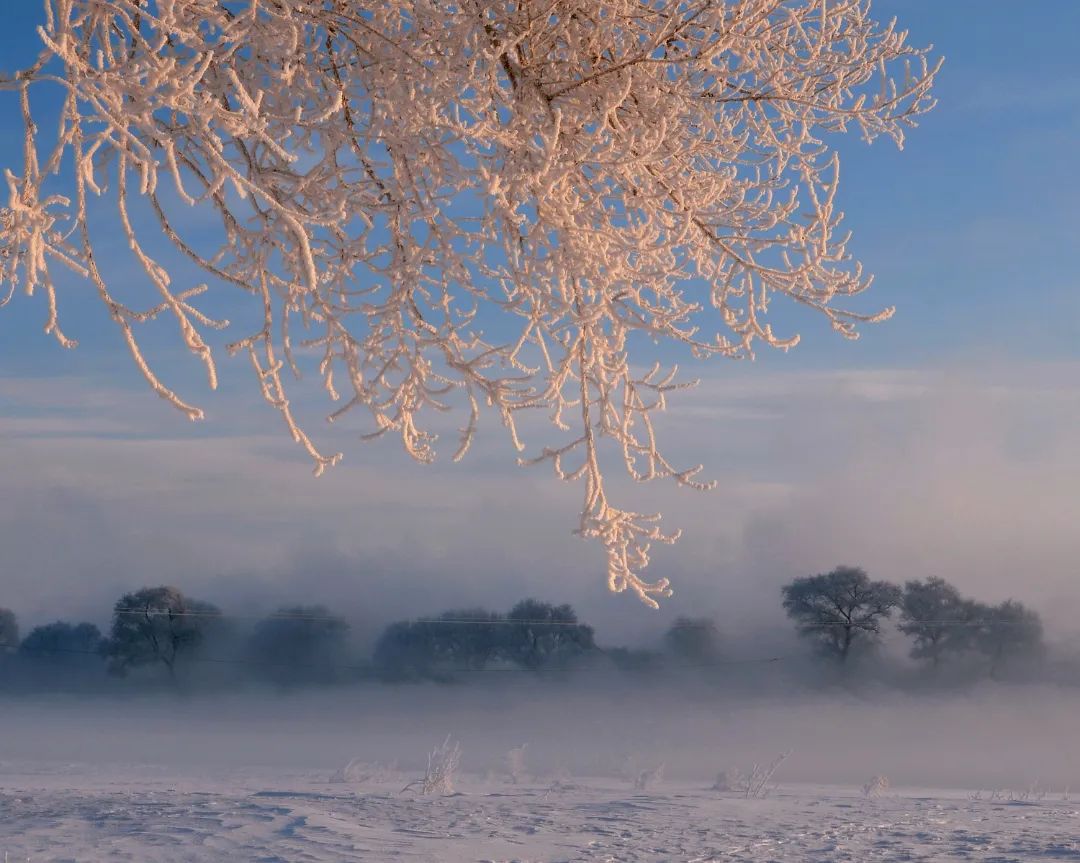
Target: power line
{"x": 215, "y": 615}
{"x": 48, "y": 651}
{"x": 371, "y": 667}
{"x": 508, "y": 621}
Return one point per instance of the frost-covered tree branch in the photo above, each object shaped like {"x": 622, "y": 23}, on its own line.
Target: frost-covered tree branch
{"x": 491, "y": 207}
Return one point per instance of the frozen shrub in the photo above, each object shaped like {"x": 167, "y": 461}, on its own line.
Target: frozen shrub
{"x": 561, "y": 780}
{"x": 877, "y": 785}
{"x": 730, "y": 779}
{"x": 442, "y": 762}
{"x": 646, "y": 779}
{"x": 759, "y": 781}
{"x": 515, "y": 764}
{"x": 1035, "y": 792}
{"x": 358, "y": 771}
{"x": 350, "y": 772}
{"x": 755, "y": 783}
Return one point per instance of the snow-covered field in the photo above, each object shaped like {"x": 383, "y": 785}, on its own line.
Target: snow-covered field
{"x": 75, "y": 813}
{"x": 238, "y": 778}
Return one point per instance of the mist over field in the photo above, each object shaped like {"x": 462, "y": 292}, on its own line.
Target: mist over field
{"x": 991, "y": 736}
{"x": 907, "y": 472}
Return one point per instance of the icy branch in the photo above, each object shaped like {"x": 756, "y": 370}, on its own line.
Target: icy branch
{"x": 393, "y": 181}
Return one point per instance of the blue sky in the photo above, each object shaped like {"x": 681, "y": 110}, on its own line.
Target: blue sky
{"x": 969, "y": 231}
{"x": 968, "y": 391}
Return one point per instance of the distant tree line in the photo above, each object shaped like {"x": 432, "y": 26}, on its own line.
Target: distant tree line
{"x": 842, "y": 613}
{"x": 533, "y": 635}
{"x": 161, "y": 632}
{"x": 158, "y": 632}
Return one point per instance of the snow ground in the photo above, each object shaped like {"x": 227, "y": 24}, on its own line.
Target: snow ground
{"x": 141, "y": 813}
{"x": 246, "y": 776}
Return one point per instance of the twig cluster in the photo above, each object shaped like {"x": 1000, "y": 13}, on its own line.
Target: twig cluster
{"x": 505, "y": 206}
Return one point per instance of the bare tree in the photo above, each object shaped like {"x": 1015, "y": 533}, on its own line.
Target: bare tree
{"x": 840, "y": 609}
{"x": 466, "y": 638}
{"x": 1008, "y": 632}
{"x": 458, "y": 640}
{"x": 476, "y": 206}
{"x": 62, "y": 655}
{"x": 541, "y": 635}
{"x": 937, "y": 619}
{"x": 156, "y": 625}
{"x": 694, "y": 639}
{"x": 297, "y": 644}
{"x": 62, "y": 641}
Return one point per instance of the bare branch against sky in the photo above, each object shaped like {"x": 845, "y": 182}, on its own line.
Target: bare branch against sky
{"x": 479, "y": 207}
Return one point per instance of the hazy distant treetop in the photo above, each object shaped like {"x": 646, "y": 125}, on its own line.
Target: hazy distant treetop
{"x": 299, "y": 620}
{"x": 62, "y": 640}
{"x": 466, "y": 638}
{"x": 841, "y": 608}
{"x": 1008, "y": 631}
{"x": 695, "y": 639}
{"x": 9, "y": 629}
{"x": 480, "y": 206}
{"x": 937, "y": 618}
{"x": 300, "y": 642}
{"x": 470, "y": 637}
{"x": 540, "y": 634}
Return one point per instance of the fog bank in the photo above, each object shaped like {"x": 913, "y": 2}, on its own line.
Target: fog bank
{"x": 993, "y": 736}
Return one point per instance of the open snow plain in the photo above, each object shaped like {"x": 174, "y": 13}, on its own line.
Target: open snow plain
{"x": 132, "y": 814}
{"x": 269, "y": 778}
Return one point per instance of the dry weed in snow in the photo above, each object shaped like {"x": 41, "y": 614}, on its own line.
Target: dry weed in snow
{"x": 875, "y": 786}
{"x": 755, "y": 783}
{"x": 647, "y": 779}
{"x": 515, "y": 764}
{"x": 442, "y": 762}
{"x": 358, "y": 771}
